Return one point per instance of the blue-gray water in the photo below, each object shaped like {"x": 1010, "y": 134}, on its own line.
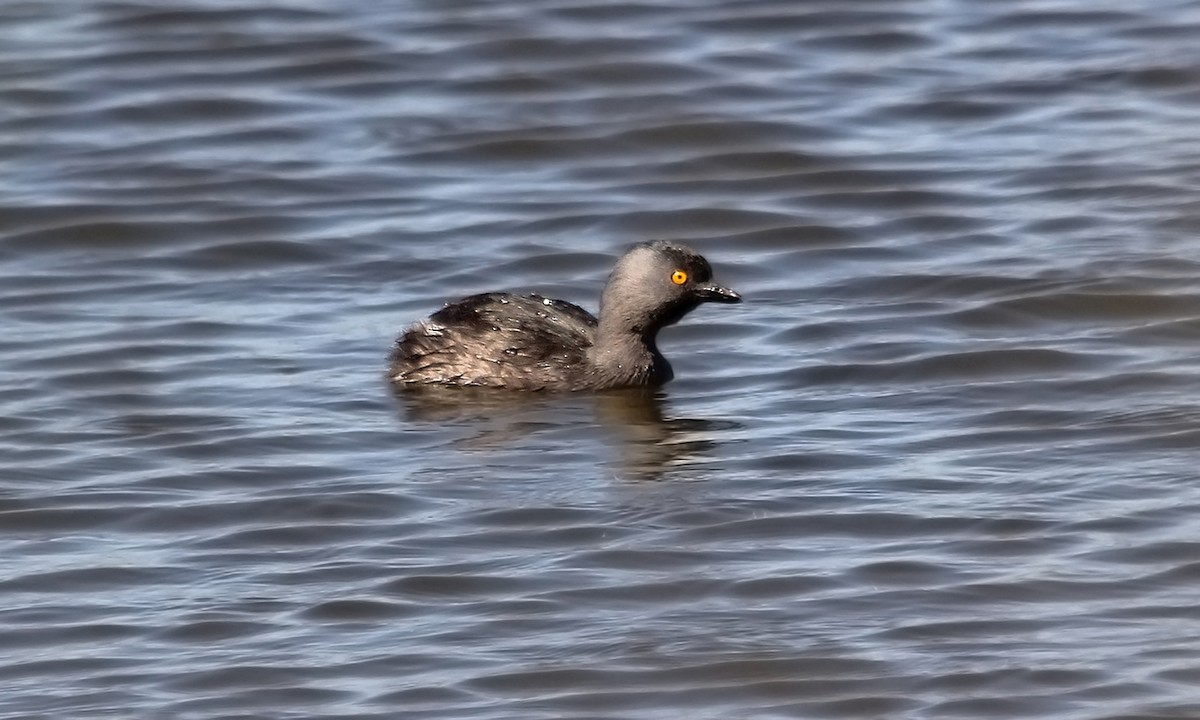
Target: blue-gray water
{"x": 941, "y": 464}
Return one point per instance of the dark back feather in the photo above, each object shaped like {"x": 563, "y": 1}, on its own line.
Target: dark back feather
{"x": 497, "y": 340}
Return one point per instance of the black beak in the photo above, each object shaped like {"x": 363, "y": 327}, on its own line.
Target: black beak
{"x": 716, "y": 293}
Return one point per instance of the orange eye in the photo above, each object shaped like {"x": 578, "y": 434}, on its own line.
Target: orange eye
{"x": 679, "y": 277}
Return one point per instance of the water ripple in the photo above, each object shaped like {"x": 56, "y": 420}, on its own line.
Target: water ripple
{"x": 939, "y": 464}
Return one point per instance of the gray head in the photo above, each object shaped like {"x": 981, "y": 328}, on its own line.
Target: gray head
{"x": 655, "y": 285}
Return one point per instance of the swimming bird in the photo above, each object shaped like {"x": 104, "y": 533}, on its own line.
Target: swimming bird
{"x": 530, "y": 342}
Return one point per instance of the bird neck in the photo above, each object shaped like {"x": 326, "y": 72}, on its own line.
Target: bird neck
{"x": 624, "y": 354}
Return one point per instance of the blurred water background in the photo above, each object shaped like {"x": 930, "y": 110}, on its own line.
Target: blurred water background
{"x": 942, "y": 463}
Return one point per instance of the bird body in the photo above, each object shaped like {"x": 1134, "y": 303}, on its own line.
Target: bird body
{"x": 495, "y": 340}
{"x": 530, "y": 342}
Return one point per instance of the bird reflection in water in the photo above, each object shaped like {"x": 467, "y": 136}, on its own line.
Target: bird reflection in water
{"x": 648, "y": 444}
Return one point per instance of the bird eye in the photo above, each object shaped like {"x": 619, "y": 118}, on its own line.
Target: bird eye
{"x": 679, "y": 277}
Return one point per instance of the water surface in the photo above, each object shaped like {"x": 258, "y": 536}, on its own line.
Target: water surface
{"x": 940, "y": 464}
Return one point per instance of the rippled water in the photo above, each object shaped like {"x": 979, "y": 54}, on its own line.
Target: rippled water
{"x": 941, "y": 464}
